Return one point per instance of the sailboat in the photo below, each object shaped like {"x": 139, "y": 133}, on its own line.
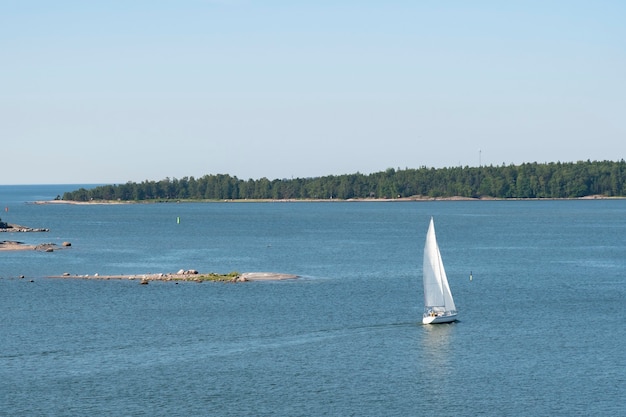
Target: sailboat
{"x": 438, "y": 303}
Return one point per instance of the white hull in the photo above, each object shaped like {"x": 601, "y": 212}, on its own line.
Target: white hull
{"x": 439, "y": 319}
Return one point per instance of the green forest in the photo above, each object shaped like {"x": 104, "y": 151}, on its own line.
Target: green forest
{"x": 528, "y": 180}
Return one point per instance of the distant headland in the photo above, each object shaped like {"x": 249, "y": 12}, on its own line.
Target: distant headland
{"x": 554, "y": 180}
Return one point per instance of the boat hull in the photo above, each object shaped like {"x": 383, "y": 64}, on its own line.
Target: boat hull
{"x": 439, "y": 319}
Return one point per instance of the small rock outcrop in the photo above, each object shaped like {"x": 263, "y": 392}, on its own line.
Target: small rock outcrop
{"x": 17, "y": 228}
{"x": 45, "y": 247}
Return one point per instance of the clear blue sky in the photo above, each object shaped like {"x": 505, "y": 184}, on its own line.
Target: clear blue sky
{"x": 116, "y": 91}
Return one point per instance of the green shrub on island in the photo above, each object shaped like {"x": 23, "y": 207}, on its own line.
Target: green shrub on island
{"x": 231, "y": 276}
{"x": 3, "y": 225}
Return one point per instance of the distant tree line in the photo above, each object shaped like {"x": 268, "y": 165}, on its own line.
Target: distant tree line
{"x": 529, "y": 180}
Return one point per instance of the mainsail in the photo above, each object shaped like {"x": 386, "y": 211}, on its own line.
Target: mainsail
{"x": 437, "y": 295}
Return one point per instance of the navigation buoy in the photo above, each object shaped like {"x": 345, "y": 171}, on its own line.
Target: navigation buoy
{"x": 177, "y": 220}
{"x": 471, "y": 277}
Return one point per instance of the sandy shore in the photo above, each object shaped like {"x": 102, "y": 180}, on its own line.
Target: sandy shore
{"x": 416, "y": 198}
{"x": 92, "y": 202}
{"x": 9, "y": 245}
{"x": 304, "y": 200}
{"x": 188, "y": 276}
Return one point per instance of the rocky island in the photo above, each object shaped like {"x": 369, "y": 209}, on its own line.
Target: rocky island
{"x": 16, "y": 228}
{"x": 188, "y": 275}
{"x": 182, "y": 275}
{"x": 13, "y": 245}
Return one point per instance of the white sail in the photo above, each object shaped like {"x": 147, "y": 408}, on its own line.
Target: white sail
{"x": 438, "y": 301}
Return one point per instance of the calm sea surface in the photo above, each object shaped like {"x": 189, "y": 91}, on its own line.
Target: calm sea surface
{"x": 542, "y": 325}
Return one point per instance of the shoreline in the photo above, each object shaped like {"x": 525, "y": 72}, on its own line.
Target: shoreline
{"x": 350, "y": 200}
{"x": 190, "y": 275}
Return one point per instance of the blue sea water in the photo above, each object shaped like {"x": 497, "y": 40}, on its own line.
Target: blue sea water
{"x": 541, "y": 329}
